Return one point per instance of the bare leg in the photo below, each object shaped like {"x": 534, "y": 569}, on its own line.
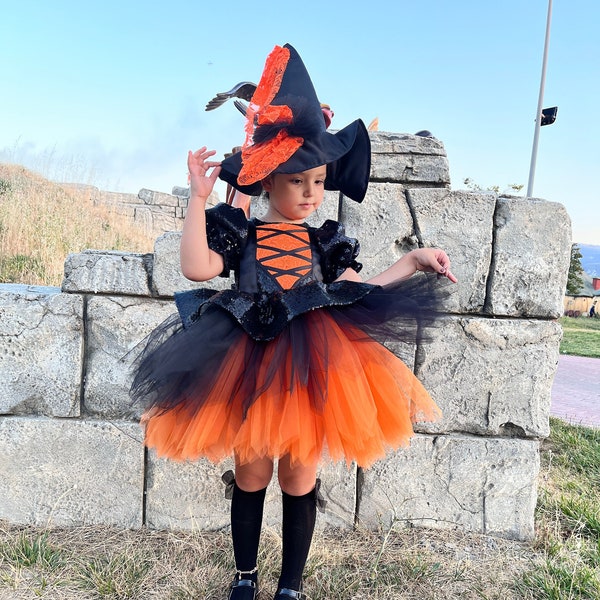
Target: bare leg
{"x": 296, "y": 480}
{"x": 255, "y": 475}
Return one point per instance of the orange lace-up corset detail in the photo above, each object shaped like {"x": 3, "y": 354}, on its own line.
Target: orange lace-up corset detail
{"x": 284, "y": 250}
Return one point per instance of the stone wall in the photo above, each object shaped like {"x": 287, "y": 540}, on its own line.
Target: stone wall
{"x": 71, "y": 448}
{"x": 150, "y": 211}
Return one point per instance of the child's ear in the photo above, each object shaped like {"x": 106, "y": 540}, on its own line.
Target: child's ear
{"x": 267, "y": 183}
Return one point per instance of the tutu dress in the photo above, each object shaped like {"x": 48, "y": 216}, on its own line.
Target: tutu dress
{"x": 290, "y": 361}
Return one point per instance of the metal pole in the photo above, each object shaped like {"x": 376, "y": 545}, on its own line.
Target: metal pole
{"x": 538, "y": 120}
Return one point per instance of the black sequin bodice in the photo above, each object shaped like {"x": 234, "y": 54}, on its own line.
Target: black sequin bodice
{"x": 281, "y": 271}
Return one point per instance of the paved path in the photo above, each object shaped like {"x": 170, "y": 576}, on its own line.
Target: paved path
{"x": 576, "y": 390}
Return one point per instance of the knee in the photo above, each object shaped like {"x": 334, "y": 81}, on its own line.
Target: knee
{"x": 252, "y": 481}
{"x": 296, "y": 484}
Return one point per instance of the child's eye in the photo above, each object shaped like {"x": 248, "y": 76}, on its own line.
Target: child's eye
{"x": 296, "y": 180}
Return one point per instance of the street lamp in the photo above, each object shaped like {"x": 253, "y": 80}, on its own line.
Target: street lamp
{"x": 549, "y": 116}
{"x": 545, "y": 116}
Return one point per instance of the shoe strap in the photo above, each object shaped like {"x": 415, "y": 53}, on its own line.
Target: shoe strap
{"x": 243, "y": 583}
{"x": 240, "y": 584}
{"x": 290, "y": 594}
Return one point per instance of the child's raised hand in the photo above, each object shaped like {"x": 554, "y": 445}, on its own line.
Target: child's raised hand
{"x": 202, "y": 184}
{"x": 433, "y": 260}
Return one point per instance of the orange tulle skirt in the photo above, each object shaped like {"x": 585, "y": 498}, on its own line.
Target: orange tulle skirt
{"x": 369, "y": 400}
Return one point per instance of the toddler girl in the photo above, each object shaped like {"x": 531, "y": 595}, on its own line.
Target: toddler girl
{"x": 286, "y": 366}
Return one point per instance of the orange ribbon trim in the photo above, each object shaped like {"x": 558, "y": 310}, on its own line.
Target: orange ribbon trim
{"x": 259, "y": 160}
{"x": 262, "y": 159}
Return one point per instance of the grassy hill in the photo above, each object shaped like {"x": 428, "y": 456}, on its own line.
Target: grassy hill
{"x": 41, "y": 222}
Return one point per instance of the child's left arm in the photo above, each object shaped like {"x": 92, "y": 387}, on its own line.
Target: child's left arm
{"x": 430, "y": 260}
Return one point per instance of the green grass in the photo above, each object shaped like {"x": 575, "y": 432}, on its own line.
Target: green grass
{"x": 14, "y": 269}
{"x": 31, "y": 551}
{"x": 5, "y": 186}
{"x": 568, "y": 516}
{"x": 121, "y": 575}
{"x": 581, "y": 336}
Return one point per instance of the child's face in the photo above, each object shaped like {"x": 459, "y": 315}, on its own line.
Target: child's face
{"x": 293, "y": 197}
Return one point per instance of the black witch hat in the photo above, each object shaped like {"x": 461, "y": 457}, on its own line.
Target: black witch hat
{"x": 286, "y": 133}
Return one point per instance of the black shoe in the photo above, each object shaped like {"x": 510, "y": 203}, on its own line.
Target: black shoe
{"x": 287, "y": 594}
{"x": 243, "y": 589}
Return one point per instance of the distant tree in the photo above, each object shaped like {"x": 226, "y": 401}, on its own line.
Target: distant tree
{"x": 475, "y": 187}
{"x": 575, "y": 279}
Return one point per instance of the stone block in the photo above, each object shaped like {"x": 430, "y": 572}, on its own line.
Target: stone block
{"x": 531, "y": 258}
{"x": 180, "y": 192}
{"x": 118, "y": 198}
{"x": 126, "y": 210}
{"x": 404, "y": 351}
{"x": 461, "y": 223}
{"x": 483, "y": 485}
{"x": 67, "y": 472}
{"x": 142, "y": 217}
{"x": 411, "y": 169}
{"x": 157, "y": 198}
{"x": 191, "y": 495}
{"x": 41, "y": 351}
{"x": 491, "y": 377}
{"x": 339, "y": 487}
{"x": 105, "y": 272}
{"x": 166, "y": 221}
{"x": 116, "y": 328}
{"x": 409, "y": 159}
{"x": 166, "y": 272}
{"x": 383, "y": 225}
{"x": 186, "y": 495}
{"x": 385, "y": 142}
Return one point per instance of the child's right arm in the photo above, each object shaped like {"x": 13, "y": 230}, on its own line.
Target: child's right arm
{"x": 431, "y": 260}
{"x": 198, "y": 261}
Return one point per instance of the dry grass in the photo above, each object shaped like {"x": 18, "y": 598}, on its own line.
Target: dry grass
{"x": 91, "y": 563}
{"x": 41, "y": 222}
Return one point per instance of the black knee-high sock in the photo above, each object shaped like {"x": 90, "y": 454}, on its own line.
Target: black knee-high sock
{"x": 299, "y": 516}
{"x": 246, "y": 523}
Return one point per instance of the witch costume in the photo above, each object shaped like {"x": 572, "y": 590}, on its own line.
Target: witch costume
{"x": 290, "y": 360}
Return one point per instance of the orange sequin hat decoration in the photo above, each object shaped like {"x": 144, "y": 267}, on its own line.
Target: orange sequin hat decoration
{"x": 286, "y": 133}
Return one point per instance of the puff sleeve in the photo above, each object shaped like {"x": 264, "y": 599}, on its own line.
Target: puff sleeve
{"x": 337, "y": 251}
{"x": 227, "y": 233}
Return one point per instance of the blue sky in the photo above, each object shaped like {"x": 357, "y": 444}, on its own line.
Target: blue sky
{"x": 113, "y": 93}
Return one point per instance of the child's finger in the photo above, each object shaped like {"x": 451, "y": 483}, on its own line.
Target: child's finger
{"x": 206, "y": 153}
{"x": 451, "y": 277}
{"x": 215, "y": 173}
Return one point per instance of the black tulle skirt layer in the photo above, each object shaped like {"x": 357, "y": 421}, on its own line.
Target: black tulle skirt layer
{"x": 325, "y": 386}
